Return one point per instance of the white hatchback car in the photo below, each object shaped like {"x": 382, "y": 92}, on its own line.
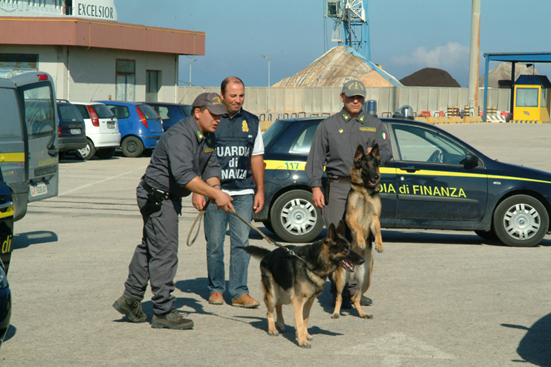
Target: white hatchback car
{"x": 102, "y": 130}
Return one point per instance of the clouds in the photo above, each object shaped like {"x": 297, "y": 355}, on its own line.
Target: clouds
{"x": 450, "y": 56}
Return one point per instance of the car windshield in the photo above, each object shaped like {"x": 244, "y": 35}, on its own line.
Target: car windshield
{"x": 102, "y": 111}
{"x": 148, "y": 112}
{"x": 69, "y": 113}
{"x": 272, "y": 132}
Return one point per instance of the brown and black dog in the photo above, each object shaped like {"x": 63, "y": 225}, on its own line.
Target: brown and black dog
{"x": 288, "y": 279}
{"x": 363, "y": 209}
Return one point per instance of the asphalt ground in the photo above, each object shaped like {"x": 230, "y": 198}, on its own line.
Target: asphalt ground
{"x": 440, "y": 298}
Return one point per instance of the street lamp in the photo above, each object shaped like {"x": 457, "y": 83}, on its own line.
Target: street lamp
{"x": 266, "y": 57}
{"x": 191, "y": 62}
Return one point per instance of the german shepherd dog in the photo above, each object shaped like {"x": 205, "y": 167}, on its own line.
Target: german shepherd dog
{"x": 287, "y": 279}
{"x": 363, "y": 209}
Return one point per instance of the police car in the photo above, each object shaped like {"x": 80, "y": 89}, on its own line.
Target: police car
{"x": 434, "y": 181}
{"x": 6, "y": 238}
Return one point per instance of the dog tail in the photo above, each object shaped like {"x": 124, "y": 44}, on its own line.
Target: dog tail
{"x": 258, "y": 252}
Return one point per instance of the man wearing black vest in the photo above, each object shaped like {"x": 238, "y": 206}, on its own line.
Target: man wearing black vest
{"x": 240, "y": 149}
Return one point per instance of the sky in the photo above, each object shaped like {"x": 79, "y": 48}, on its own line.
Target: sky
{"x": 405, "y": 35}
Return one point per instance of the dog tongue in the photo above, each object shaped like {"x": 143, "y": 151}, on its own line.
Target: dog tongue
{"x": 348, "y": 266}
{"x": 372, "y": 183}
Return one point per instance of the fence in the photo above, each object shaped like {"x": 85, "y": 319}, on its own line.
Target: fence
{"x": 273, "y": 103}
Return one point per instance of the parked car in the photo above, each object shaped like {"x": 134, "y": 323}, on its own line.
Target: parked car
{"x": 102, "y": 130}
{"x": 140, "y": 126}
{"x": 171, "y": 113}
{"x": 434, "y": 181}
{"x": 6, "y": 238}
{"x": 71, "y": 130}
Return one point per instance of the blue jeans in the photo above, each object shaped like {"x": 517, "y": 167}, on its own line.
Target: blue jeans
{"x": 216, "y": 222}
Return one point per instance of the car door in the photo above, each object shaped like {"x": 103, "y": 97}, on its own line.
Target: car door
{"x": 433, "y": 181}
{"x": 40, "y": 117}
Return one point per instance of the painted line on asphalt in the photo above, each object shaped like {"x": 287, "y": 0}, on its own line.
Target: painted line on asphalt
{"x": 101, "y": 181}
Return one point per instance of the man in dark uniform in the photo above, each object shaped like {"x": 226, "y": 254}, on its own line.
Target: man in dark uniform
{"x": 183, "y": 162}
{"x": 240, "y": 149}
{"x": 334, "y": 146}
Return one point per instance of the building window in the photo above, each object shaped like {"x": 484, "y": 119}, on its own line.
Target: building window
{"x": 14, "y": 64}
{"x": 126, "y": 80}
{"x": 153, "y": 85}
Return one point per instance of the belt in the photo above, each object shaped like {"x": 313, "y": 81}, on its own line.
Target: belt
{"x": 340, "y": 179}
{"x": 149, "y": 189}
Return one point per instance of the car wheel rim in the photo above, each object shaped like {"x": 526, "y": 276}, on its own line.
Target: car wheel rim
{"x": 298, "y": 216}
{"x": 84, "y": 151}
{"x": 131, "y": 147}
{"x": 522, "y": 221}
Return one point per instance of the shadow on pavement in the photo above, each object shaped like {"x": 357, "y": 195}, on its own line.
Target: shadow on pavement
{"x": 24, "y": 240}
{"x": 535, "y": 346}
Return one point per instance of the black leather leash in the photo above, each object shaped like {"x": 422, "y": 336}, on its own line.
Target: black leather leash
{"x": 268, "y": 239}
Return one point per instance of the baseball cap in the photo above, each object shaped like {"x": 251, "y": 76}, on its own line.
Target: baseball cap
{"x": 354, "y": 88}
{"x": 211, "y": 101}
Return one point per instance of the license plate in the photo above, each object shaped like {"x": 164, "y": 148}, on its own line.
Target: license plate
{"x": 75, "y": 131}
{"x": 111, "y": 125}
{"x": 39, "y": 189}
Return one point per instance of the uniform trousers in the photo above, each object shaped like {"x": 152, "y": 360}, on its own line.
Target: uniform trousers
{"x": 156, "y": 258}
{"x": 333, "y": 212}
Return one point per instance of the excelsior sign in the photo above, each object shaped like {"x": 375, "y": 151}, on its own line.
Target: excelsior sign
{"x": 96, "y": 9}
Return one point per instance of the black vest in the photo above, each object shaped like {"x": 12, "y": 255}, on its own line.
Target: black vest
{"x": 234, "y": 147}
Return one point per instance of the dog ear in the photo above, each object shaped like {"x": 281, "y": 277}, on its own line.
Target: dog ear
{"x": 331, "y": 232}
{"x": 359, "y": 153}
{"x": 375, "y": 151}
{"x": 341, "y": 228}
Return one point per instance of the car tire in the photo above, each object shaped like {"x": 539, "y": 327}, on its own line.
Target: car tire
{"x": 521, "y": 221}
{"x": 294, "y": 217}
{"x": 268, "y": 225}
{"x": 87, "y": 152}
{"x": 105, "y": 153}
{"x": 132, "y": 146}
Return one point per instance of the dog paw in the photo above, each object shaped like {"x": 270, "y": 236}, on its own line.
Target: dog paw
{"x": 366, "y": 316}
{"x": 379, "y": 250}
{"x": 335, "y": 316}
{"x": 304, "y": 345}
{"x": 309, "y": 337}
{"x": 281, "y": 326}
{"x": 273, "y": 333}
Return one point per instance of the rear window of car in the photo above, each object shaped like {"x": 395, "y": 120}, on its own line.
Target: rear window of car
{"x": 272, "y": 132}
{"x": 121, "y": 112}
{"x": 69, "y": 113}
{"x": 162, "y": 111}
{"x": 148, "y": 112}
{"x": 186, "y": 110}
{"x": 102, "y": 111}
{"x": 83, "y": 111}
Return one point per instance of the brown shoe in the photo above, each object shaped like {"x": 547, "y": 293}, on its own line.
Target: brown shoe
{"x": 216, "y": 299}
{"x": 246, "y": 301}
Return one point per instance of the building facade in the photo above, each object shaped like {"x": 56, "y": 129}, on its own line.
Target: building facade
{"x": 91, "y": 56}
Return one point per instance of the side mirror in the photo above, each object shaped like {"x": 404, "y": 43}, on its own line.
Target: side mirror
{"x": 470, "y": 162}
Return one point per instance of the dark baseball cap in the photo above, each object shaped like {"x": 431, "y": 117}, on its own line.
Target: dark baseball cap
{"x": 354, "y": 88}
{"x": 211, "y": 101}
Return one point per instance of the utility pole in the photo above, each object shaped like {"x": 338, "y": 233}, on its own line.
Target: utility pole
{"x": 191, "y": 62}
{"x": 474, "y": 59}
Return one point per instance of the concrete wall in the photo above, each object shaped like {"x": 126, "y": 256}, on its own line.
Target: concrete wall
{"x": 306, "y": 101}
{"x": 82, "y": 74}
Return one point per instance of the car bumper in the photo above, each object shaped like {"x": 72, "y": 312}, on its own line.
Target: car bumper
{"x": 112, "y": 140}
{"x": 71, "y": 143}
{"x": 150, "y": 142}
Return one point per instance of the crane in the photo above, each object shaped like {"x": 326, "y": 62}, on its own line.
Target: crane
{"x": 350, "y": 16}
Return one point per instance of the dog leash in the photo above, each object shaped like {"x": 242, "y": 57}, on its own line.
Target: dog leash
{"x": 199, "y": 219}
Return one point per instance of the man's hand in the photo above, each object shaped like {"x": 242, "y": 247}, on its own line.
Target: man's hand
{"x": 223, "y": 201}
{"x": 317, "y": 197}
{"x": 258, "y": 201}
{"x": 198, "y": 201}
